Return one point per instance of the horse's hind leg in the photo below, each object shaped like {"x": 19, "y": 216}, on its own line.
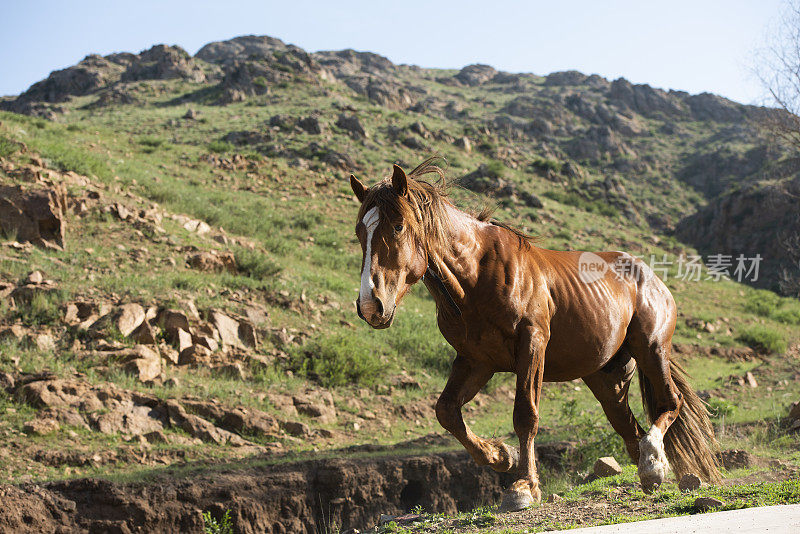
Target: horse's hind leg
{"x": 650, "y": 341}
{"x": 610, "y": 386}
{"x": 466, "y": 379}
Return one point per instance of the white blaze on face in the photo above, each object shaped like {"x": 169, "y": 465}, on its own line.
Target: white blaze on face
{"x": 370, "y": 220}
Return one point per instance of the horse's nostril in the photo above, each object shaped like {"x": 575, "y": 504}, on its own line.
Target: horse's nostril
{"x": 380, "y": 306}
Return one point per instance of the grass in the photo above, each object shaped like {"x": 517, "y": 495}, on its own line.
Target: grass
{"x": 339, "y": 360}
{"x": 575, "y": 200}
{"x": 763, "y": 338}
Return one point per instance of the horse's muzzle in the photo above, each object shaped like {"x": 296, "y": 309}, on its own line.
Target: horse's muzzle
{"x": 386, "y": 323}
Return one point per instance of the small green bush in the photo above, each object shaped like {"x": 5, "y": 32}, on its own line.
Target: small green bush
{"x": 768, "y": 304}
{"x": 763, "y": 338}
{"x": 575, "y": 200}
{"x": 152, "y": 141}
{"x": 338, "y": 360}
{"x": 495, "y": 169}
{"x": 220, "y": 147}
{"x": 719, "y": 408}
{"x": 213, "y": 526}
{"x": 41, "y": 309}
{"x": 8, "y": 147}
{"x": 546, "y": 164}
{"x": 256, "y": 264}
{"x": 260, "y": 81}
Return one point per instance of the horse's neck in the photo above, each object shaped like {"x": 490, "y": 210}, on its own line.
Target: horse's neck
{"x": 458, "y": 265}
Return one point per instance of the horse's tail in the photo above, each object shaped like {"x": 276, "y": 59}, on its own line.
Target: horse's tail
{"x": 689, "y": 441}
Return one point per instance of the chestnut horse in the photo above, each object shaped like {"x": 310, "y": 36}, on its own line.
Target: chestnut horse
{"x": 506, "y": 305}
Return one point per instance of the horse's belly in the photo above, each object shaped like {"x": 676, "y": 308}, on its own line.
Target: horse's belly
{"x": 576, "y": 354}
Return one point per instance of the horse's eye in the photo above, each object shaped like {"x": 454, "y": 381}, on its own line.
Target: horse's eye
{"x": 398, "y": 228}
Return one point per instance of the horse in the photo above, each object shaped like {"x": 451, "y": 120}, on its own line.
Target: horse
{"x": 507, "y": 305}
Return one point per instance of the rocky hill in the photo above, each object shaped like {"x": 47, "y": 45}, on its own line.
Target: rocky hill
{"x": 653, "y": 156}
{"x": 178, "y": 267}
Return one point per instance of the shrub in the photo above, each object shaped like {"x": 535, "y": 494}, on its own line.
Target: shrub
{"x": 7, "y": 146}
{"x": 41, "y": 309}
{"x": 719, "y": 408}
{"x": 767, "y": 304}
{"x": 152, "y": 141}
{"x": 260, "y": 81}
{"x": 220, "y": 147}
{"x": 338, "y": 360}
{"x": 256, "y": 264}
{"x": 495, "y": 169}
{"x": 763, "y": 338}
{"x": 546, "y": 164}
{"x": 213, "y": 526}
{"x": 577, "y": 201}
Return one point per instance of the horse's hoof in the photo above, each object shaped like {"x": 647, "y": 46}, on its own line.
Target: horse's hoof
{"x": 516, "y": 500}
{"x": 653, "y": 463}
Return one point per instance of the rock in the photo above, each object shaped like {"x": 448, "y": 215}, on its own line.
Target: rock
{"x": 182, "y": 339}
{"x": 464, "y": 143}
{"x": 129, "y": 317}
{"x": 324, "y": 412}
{"x": 35, "y": 277}
{"x": 127, "y": 417}
{"x": 143, "y": 363}
{"x": 41, "y": 427}
{"x": 232, "y": 332}
{"x": 703, "y": 504}
{"x": 45, "y": 342}
{"x": 34, "y": 215}
{"x": 750, "y": 379}
{"x": 154, "y": 437}
{"x": 200, "y": 428}
{"x": 352, "y": 124}
{"x": 171, "y": 320}
{"x": 208, "y": 342}
{"x": 213, "y": 262}
{"x": 15, "y": 331}
{"x": 734, "y": 459}
{"x": 476, "y": 74}
{"x": 190, "y": 114}
{"x": 232, "y": 370}
{"x": 311, "y": 125}
{"x": 190, "y": 309}
{"x": 689, "y": 482}
{"x": 145, "y": 334}
{"x": 606, "y": 466}
{"x": 297, "y": 429}
{"x": 531, "y": 200}
{"x": 193, "y": 355}
{"x": 794, "y": 411}
{"x": 554, "y": 497}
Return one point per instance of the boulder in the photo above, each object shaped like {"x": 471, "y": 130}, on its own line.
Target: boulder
{"x": 141, "y": 362}
{"x": 34, "y": 215}
{"x": 213, "y": 262}
{"x": 735, "y": 459}
{"x": 311, "y": 125}
{"x": 606, "y": 467}
{"x": 477, "y": 74}
{"x": 127, "y": 417}
{"x": 232, "y": 332}
{"x": 128, "y": 318}
{"x": 322, "y": 408}
{"x": 171, "y": 320}
{"x": 703, "y": 504}
{"x": 689, "y": 482}
{"x": 40, "y": 427}
{"x": 351, "y": 124}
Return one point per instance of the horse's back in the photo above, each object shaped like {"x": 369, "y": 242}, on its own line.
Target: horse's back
{"x": 595, "y": 298}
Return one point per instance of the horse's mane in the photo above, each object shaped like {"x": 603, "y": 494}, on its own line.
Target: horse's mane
{"x": 424, "y": 210}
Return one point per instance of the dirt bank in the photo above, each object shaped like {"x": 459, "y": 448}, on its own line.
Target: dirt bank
{"x": 299, "y": 497}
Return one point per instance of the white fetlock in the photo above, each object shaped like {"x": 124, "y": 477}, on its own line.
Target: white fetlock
{"x": 653, "y": 463}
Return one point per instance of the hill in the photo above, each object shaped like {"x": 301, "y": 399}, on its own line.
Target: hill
{"x": 178, "y": 263}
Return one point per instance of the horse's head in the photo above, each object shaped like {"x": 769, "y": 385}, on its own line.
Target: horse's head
{"x": 394, "y": 258}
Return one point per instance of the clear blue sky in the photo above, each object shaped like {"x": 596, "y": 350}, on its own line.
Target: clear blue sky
{"x": 694, "y": 45}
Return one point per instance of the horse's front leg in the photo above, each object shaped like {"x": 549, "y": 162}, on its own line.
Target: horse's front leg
{"x": 466, "y": 379}
{"x": 525, "y": 491}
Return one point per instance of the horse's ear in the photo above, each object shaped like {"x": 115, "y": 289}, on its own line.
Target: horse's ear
{"x": 358, "y": 188}
{"x": 399, "y": 181}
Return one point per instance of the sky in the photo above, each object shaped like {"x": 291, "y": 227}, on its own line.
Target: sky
{"x": 694, "y": 46}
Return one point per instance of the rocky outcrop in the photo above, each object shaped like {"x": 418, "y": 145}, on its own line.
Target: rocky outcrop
{"x": 34, "y": 214}
{"x": 757, "y": 219}
{"x": 246, "y": 46}
{"x": 477, "y": 74}
{"x": 96, "y": 72}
